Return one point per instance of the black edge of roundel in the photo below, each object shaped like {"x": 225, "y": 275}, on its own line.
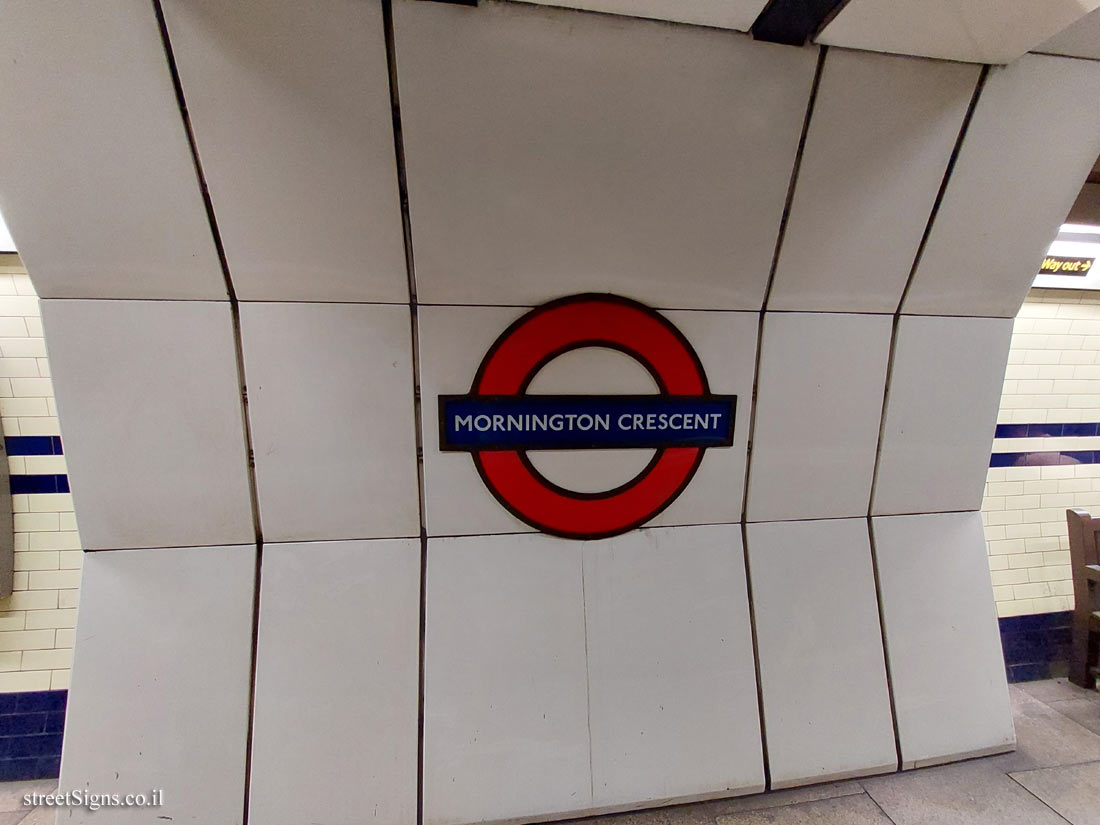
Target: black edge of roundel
{"x": 792, "y": 22}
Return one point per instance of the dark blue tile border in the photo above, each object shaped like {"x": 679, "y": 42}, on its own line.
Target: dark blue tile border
{"x": 22, "y": 770}
{"x": 1045, "y": 458}
{"x": 1080, "y": 429}
{"x": 1036, "y": 621}
{"x": 1036, "y": 646}
{"x": 33, "y": 445}
{"x": 24, "y": 484}
{"x": 1046, "y": 430}
{"x": 31, "y": 726}
{"x": 37, "y": 700}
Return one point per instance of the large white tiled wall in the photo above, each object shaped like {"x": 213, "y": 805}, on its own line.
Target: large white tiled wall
{"x": 37, "y": 619}
{"x": 260, "y": 408}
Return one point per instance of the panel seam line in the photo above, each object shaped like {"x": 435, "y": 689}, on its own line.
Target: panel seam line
{"x": 234, "y": 309}
{"x": 418, "y": 428}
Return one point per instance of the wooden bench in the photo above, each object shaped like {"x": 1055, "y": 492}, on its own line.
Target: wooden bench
{"x": 1086, "y": 596}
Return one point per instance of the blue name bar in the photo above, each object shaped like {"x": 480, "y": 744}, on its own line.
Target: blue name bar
{"x": 584, "y": 422}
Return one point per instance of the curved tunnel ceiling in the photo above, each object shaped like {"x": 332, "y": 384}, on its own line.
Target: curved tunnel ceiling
{"x": 971, "y": 31}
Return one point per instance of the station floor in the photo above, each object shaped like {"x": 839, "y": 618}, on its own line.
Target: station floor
{"x": 1052, "y": 778}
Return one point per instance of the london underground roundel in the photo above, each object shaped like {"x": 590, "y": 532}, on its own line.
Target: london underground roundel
{"x": 498, "y": 422}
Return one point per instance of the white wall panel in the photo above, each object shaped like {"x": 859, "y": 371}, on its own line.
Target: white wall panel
{"x": 881, "y": 135}
{"x": 505, "y": 695}
{"x": 1079, "y": 39}
{"x": 819, "y": 399}
{"x": 154, "y": 430}
{"x": 161, "y": 683}
{"x": 1012, "y": 185}
{"x": 551, "y": 152}
{"x": 290, "y": 103}
{"x": 342, "y": 713}
{"x": 941, "y": 409}
{"x": 946, "y": 666}
{"x": 99, "y": 187}
{"x": 726, "y": 14}
{"x": 822, "y": 669}
{"x": 673, "y": 689}
{"x": 452, "y": 342}
{"x": 978, "y": 31}
{"x": 331, "y": 405}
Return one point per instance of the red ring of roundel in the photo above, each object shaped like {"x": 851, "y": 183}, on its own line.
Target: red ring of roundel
{"x": 560, "y": 326}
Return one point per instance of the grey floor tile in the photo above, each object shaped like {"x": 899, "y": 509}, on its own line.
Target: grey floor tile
{"x": 1057, "y": 690}
{"x": 12, "y": 817}
{"x": 1085, "y": 712}
{"x": 967, "y": 793}
{"x": 704, "y": 813}
{"x": 45, "y": 816}
{"x": 790, "y": 796}
{"x": 1073, "y": 791}
{"x": 693, "y": 814}
{"x": 1044, "y": 737}
{"x": 11, "y": 793}
{"x": 843, "y": 810}
{"x": 678, "y": 815}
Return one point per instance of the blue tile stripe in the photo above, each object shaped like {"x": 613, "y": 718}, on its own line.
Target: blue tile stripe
{"x": 1037, "y": 646}
{"x": 33, "y": 444}
{"x": 31, "y": 726}
{"x": 1046, "y": 430}
{"x": 23, "y": 484}
{"x": 1043, "y": 458}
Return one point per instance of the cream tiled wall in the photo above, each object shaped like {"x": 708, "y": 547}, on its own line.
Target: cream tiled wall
{"x": 1053, "y": 376}
{"x": 37, "y": 620}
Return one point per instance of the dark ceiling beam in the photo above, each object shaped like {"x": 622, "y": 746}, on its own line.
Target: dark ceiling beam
{"x": 1094, "y": 175}
{"x": 793, "y": 22}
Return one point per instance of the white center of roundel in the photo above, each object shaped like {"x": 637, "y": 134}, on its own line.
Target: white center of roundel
{"x": 591, "y": 371}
